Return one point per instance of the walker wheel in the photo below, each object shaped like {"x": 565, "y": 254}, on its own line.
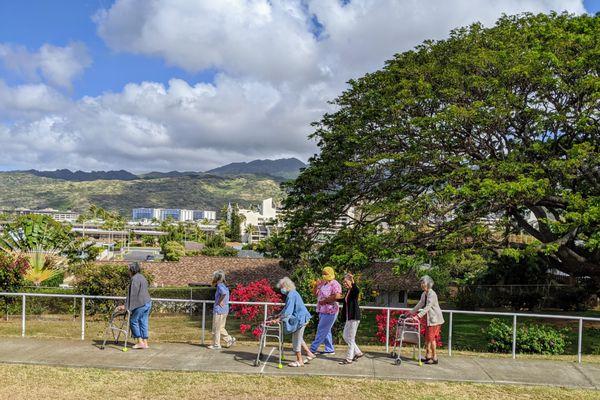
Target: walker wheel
{"x": 124, "y": 349}
{"x": 398, "y": 361}
{"x": 280, "y": 366}
{"x": 256, "y": 363}
{"x": 101, "y": 347}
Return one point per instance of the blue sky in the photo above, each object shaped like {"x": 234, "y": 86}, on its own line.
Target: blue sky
{"x": 33, "y": 23}
{"x": 194, "y": 84}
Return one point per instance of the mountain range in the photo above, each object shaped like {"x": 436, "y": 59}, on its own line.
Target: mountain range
{"x": 285, "y": 168}
{"x": 242, "y": 183}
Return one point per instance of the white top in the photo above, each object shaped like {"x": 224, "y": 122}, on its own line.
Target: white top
{"x": 429, "y": 305}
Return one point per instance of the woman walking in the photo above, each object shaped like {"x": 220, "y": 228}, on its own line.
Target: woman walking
{"x": 295, "y": 317}
{"x": 138, "y": 303}
{"x": 351, "y": 315}
{"x": 220, "y": 312}
{"x": 429, "y": 305}
{"x": 328, "y": 292}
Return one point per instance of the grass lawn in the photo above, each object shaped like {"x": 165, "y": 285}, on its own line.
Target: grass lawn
{"x": 41, "y": 382}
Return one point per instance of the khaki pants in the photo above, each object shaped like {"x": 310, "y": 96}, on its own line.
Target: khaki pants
{"x": 219, "y": 330}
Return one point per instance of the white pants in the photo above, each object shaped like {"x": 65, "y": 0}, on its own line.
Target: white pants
{"x": 218, "y": 329}
{"x": 350, "y": 338}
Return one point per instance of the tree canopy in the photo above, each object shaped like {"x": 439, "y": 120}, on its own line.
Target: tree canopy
{"x": 459, "y": 143}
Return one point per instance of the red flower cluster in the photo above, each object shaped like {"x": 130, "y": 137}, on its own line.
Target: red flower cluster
{"x": 381, "y": 320}
{"x": 257, "y": 291}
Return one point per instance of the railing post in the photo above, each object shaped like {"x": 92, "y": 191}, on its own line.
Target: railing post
{"x": 450, "y": 336}
{"x": 82, "y": 317}
{"x": 579, "y": 340}
{"x": 514, "y": 338}
{"x": 203, "y": 320}
{"x": 23, "y": 317}
{"x": 387, "y": 332}
{"x": 265, "y": 316}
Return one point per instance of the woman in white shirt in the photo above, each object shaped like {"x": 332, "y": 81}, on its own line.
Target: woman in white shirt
{"x": 429, "y": 305}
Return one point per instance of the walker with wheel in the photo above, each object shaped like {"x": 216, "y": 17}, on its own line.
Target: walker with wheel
{"x": 408, "y": 331}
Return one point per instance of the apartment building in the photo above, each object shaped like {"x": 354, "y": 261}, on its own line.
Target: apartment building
{"x": 176, "y": 214}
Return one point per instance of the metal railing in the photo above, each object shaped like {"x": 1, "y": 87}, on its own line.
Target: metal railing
{"x": 265, "y": 305}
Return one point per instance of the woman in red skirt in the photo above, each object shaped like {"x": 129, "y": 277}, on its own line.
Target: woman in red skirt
{"x": 429, "y": 305}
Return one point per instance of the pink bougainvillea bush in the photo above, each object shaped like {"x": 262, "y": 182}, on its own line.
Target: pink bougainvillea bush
{"x": 252, "y": 316}
{"x": 381, "y": 320}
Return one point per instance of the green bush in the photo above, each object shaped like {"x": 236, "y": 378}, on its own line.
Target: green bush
{"x": 173, "y": 251}
{"x": 219, "y": 252}
{"x": 536, "y": 339}
{"x": 104, "y": 280}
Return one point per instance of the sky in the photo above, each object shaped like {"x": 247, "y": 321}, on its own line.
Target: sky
{"x": 161, "y": 85}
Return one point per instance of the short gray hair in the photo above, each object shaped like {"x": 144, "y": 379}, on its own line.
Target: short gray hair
{"x": 426, "y": 279}
{"x": 219, "y": 276}
{"x": 286, "y": 283}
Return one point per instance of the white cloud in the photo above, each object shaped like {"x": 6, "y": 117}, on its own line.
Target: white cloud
{"x": 150, "y": 126}
{"x": 275, "y": 76}
{"x": 29, "y": 100}
{"x": 55, "y": 65}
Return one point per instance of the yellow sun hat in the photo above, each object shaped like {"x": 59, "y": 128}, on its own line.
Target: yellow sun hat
{"x": 328, "y": 274}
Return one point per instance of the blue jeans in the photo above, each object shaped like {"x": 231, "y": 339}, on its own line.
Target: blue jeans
{"x": 139, "y": 321}
{"x": 326, "y": 322}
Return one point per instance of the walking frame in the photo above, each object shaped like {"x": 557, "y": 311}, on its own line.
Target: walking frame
{"x": 117, "y": 325}
{"x": 274, "y": 331}
{"x": 408, "y": 331}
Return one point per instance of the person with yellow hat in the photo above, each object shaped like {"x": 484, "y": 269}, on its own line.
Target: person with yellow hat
{"x": 328, "y": 292}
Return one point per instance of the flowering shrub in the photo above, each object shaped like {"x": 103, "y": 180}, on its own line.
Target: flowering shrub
{"x": 381, "y": 320}
{"x": 252, "y": 316}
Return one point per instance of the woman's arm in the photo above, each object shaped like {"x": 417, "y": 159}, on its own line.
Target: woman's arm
{"x": 419, "y": 305}
{"x": 288, "y": 308}
{"x": 431, "y": 301}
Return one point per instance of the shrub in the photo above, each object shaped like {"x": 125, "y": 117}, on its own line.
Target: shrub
{"x": 537, "y": 339}
{"x": 104, "y": 280}
{"x": 172, "y": 251}
{"x": 252, "y": 316}
{"x": 12, "y": 271}
{"x": 219, "y": 252}
{"x": 381, "y": 320}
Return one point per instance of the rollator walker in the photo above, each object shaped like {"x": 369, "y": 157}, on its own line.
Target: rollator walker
{"x": 408, "y": 331}
{"x": 118, "y": 324}
{"x": 274, "y": 331}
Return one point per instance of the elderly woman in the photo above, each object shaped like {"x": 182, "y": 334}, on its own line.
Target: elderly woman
{"x": 220, "y": 312}
{"x": 429, "y": 305}
{"x": 328, "y": 292}
{"x": 351, "y": 315}
{"x": 295, "y": 317}
{"x": 138, "y": 303}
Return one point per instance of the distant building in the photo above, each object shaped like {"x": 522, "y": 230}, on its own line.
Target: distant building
{"x": 176, "y": 214}
{"x": 258, "y": 224}
{"x": 343, "y": 221}
{"x": 61, "y": 216}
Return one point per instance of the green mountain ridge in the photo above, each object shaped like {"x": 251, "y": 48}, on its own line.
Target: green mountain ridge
{"x": 202, "y": 192}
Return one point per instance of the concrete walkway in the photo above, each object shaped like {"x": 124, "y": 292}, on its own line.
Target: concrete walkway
{"x": 240, "y": 359}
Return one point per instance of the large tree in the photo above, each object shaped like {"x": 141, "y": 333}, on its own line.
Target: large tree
{"x": 459, "y": 143}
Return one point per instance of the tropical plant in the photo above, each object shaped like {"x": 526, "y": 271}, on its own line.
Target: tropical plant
{"x": 460, "y": 143}
{"x": 44, "y": 265}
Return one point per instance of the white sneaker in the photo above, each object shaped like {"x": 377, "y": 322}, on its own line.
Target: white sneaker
{"x": 214, "y": 347}
{"x": 231, "y": 342}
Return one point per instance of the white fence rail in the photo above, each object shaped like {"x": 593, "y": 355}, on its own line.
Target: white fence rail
{"x": 450, "y": 314}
